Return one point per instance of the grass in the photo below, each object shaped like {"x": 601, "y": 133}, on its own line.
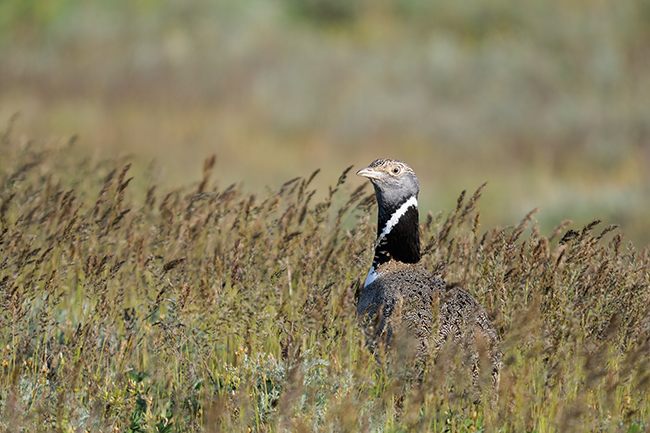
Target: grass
{"x": 124, "y": 307}
{"x": 548, "y": 93}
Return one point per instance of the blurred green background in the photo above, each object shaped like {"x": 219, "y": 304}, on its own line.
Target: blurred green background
{"x": 548, "y": 100}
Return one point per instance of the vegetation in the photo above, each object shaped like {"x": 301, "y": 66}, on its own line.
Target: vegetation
{"x": 128, "y": 307}
{"x": 545, "y": 99}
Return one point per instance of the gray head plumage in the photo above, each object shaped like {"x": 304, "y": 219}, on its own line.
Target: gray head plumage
{"x": 394, "y": 182}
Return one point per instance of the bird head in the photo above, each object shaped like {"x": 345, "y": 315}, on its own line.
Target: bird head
{"x": 394, "y": 181}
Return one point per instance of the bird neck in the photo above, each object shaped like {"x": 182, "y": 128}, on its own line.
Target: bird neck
{"x": 398, "y": 233}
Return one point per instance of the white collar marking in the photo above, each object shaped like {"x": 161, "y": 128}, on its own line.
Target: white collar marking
{"x": 372, "y": 275}
{"x": 413, "y": 201}
{"x": 394, "y": 219}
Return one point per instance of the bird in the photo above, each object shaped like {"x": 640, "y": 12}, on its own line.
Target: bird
{"x": 400, "y": 294}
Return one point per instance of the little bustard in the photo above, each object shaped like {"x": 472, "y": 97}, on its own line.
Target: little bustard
{"x": 429, "y": 311}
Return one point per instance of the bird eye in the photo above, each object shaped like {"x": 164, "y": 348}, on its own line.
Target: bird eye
{"x": 395, "y": 170}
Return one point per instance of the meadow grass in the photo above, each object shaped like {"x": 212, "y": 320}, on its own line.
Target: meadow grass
{"x": 546, "y": 99}
{"x": 203, "y": 308}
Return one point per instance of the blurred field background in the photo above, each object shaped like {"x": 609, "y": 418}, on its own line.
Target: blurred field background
{"x": 545, "y": 99}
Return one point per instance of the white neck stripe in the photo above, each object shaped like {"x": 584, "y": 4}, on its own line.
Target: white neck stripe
{"x": 394, "y": 219}
{"x": 372, "y": 275}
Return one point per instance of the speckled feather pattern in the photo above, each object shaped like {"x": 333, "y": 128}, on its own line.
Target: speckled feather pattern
{"x": 460, "y": 318}
{"x": 400, "y": 295}
{"x": 408, "y": 284}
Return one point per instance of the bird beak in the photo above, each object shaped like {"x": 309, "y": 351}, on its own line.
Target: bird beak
{"x": 369, "y": 173}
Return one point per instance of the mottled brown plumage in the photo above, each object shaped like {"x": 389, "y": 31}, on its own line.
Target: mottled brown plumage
{"x": 399, "y": 294}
